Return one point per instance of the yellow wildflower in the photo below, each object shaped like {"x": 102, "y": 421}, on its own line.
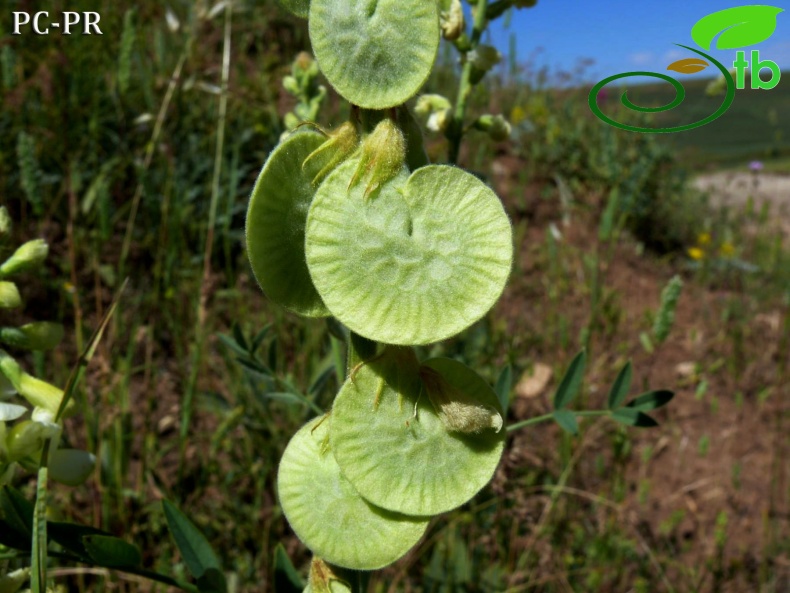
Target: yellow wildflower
{"x": 696, "y": 253}
{"x": 517, "y": 115}
{"x": 727, "y": 249}
{"x": 703, "y": 239}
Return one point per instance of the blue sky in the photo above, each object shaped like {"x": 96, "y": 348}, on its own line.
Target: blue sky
{"x": 623, "y": 36}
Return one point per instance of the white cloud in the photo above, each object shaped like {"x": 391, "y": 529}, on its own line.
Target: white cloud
{"x": 641, "y": 58}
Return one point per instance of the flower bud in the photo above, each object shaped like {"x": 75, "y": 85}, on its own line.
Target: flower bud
{"x": 11, "y": 412}
{"x": 71, "y": 466}
{"x": 27, "y": 438}
{"x": 291, "y": 122}
{"x": 382, "y": 156}
{"x": 39, "y": 335}
{"x": 339, "y": 145}
{"x": 28, "y": 255}
{"x": 5, "y": 221}
{"x": 13, "y": 581}
{"x": 451, "y": 19}
{"x": 437, "y": 111}
{"x": 39, "y": 393}
{"x": 496, "y": 126}
{"x": 484, "y": 57}
{"x": 290, "y": 85}
{"x": 9, "y": 296}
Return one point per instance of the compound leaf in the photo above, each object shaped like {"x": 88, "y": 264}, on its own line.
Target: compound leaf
{"x": 571, "y": 382}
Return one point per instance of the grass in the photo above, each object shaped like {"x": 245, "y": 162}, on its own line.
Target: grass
{"x": 170, "y": 411}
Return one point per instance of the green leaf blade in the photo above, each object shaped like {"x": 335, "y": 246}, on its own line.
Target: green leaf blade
{"x": 631, "y": 417}
{"x": 286, "y": 577}
{"x": 193, "y": 545}
{"x": 504, "y": 385}
{"x": 571, "y": 382}
{"x": 620, "y": 387}
{"x": 652, "y": 400}
{"x": 112, "y": 552}
{"x": 739, "y": 26}
{"x": 567, "y": 421}
{"x": 17, "y": 511}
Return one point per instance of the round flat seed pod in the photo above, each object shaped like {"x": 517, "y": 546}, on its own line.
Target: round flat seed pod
{"x": 276, "y": 226}
{"x": 328, "y": 514}
{"x": 376, "y": 53}
{"x": 395, "y": 449}
{"x": 418, "y": 262}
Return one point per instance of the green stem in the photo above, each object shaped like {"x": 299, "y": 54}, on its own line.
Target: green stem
{"x": 547, "y": 417}
{"x": 455, "y": 131}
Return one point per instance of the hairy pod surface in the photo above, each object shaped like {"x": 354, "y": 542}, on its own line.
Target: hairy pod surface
{"x": 376, "y": 53}
{"x": 275, "y": 228}
{"x": 421, "y": 260}
{"x": 393, "y": 446}
{"x": 327, "y": 513}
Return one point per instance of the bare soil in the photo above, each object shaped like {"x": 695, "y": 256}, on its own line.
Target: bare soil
{"x": 722, "y": 450}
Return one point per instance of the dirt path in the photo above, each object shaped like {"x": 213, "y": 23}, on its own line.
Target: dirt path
{"x": 735, "y": 188}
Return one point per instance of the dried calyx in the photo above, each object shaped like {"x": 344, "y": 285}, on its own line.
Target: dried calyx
{"x": 457, "y": 411}
{"x": 381, "y": 157}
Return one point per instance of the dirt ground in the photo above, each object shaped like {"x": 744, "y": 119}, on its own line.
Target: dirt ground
{"x": 722, "y": 449}
{"x": 733, "y": 189}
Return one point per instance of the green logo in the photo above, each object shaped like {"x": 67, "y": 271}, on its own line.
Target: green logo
{"x": 736, "y": 28}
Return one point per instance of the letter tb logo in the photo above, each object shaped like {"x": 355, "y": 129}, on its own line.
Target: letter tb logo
{"x": 85, "y": 23}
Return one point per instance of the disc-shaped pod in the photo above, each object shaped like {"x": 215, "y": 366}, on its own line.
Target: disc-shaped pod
{"x": 393, "y": 446}
{"x": 275, "y": 226}
{"x": 376, "y": 53}
{"x": 327, "y": 513}
{"x": 421, "y": 260}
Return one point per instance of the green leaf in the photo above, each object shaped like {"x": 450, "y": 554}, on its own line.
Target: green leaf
{"x": 212, "y": 581}
{"x": 286, "y": 578}
{"x": 238, "y": 335}
{"x": 739, "y": 26}
{"x": 112, "y": 552}
{"x": 258, "y": 339}
{"x": 567, "y": 421}
{"x": 651, "y": 400}
{"x": 233, "y": 345}
{"x": 322, "y": 379}
{"x": 571, "y": 382}
{"x": 70, "y": 536}
{"x": 631, "y": 417}
{"x": 194, "y": 547}
{"x": 17, "y": 511}
{"x": 503, "y": 386}
{"x": 620, "y": 387}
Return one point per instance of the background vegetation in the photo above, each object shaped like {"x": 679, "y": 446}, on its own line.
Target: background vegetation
{"x": 108, "y": 151}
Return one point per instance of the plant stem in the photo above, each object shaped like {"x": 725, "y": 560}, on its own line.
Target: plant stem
{"x": 200, "y": 326}
{"x": 455, "y": 131}
{"x": 547, "y": 417}
{"x": 149, "y": 151}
